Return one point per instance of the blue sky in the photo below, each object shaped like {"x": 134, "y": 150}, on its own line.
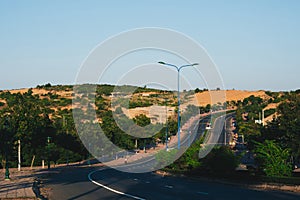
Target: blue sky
{"x": 255, "y": 44}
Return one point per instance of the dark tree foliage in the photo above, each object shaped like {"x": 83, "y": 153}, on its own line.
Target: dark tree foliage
{"x": 272, "y": 159}
{"x": 283, "y": 131}
{"x": 25, "y": 117}
{"x": 142, "y": 120}
{"x": 286, "y": 128}
{"x": 220, "y": 161}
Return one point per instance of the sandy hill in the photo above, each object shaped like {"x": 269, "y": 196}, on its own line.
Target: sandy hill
{"x": 204, "y": 98}
{"x": 199, "y": 99}
{"x": 63, "y": 94}
{"x": 158, "y": 113}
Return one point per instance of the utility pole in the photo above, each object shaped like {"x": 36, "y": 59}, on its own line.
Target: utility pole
{"x": 19, "y": 155}
{"x": 263, "y": 117}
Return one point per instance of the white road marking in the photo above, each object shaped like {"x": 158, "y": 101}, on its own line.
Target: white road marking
{"x": 135, "y": 179}
{"x": 169, "y": 186}
{"x": 205, "y": 193}
{"x": 111, "y": 189}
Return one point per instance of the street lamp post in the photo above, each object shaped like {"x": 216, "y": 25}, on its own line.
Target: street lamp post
{"x": 48, "y": 148}
{"x": 166, "y": 124}
{"x": 89, "y": 162}
{"x": 19, "y": 155}
{"x": 190, "y": 133}
{"x": 178, "y": 93}
{"x": 166, "y": 137}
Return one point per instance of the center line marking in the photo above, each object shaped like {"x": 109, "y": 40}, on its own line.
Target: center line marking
{"x": 205, "y": 193}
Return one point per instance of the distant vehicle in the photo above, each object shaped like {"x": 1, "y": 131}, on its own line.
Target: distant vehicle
{"x": 208, "y": 126}
{"x": 296, "y": 165}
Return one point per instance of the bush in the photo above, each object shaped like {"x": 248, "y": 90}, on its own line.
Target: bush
{"x": 273, "y": 160}
{"x": 220, "y": 161}
{"x": 269, "y": 112}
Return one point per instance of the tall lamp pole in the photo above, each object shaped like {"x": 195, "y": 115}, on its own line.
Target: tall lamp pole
{"x": 166, "y": 124}
{"x": 178, "y": 93}
{"x": 48, "y": 151}
{"x": 19, "y": 155}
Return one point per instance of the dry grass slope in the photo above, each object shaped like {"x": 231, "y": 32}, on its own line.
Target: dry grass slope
{"x": 204, "y": 98}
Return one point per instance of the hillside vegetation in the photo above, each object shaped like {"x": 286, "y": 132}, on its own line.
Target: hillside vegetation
{"x": 42, "y": 117}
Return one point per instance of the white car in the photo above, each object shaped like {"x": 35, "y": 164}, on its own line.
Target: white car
{"x": 208, "y": 126}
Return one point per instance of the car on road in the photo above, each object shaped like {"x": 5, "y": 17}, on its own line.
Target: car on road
{"x": 208, "y": 126}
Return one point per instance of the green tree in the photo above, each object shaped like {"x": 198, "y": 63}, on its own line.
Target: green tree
{"x": 289, "y": 122}
{"x": 285, "y": 129}
{"x": 189, "y": 160}
{"x": 6, "y": 140}
{"x": 142, "y": 120}
{"x": 221, "y": 161}
{"x": 273, "y": 160}
{"x": 29, "y": 121}
{"x": 197, "y": 90}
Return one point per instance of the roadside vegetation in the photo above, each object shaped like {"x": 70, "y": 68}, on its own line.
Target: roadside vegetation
{"x": 43, "y": 121}
{"x": 276, "y": 145}
{"x": 44, "y": 124}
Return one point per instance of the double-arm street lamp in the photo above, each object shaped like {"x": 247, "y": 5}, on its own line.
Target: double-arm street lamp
{"x": 178, "y": 93}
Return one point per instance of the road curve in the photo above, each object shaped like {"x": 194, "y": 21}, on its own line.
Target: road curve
{"x": 106, "y": 183}
{"x": 74, "y": 183}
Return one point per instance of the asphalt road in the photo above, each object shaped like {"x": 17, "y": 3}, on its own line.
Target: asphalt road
{"x": 218, "y": 135}
{"x": 75, "y": 184}
{"x": 225, "y": 134}
{"x": 106, "y": 183}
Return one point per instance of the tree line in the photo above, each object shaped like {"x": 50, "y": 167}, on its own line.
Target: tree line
{"x": 26, "y": 117}
{"x": 277, "y": 144}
